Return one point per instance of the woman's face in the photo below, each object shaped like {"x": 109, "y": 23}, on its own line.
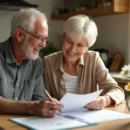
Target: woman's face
{"x": 73, "y": 47}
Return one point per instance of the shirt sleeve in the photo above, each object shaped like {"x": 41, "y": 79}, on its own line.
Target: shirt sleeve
{"x": 46, "y": 77}
{"x": 107, "y": 83}
{"x": 39, "y": 93}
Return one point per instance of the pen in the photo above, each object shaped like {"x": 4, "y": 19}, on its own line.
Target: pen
{"x": 97, "y": 88}
{"x": 49, "y": 96}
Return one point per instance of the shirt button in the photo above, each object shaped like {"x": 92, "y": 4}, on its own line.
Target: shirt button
{"x": 16, "y": 98}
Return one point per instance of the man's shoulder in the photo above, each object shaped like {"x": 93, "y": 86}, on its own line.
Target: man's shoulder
{"x": 2, "y": 49}
{"x": 2, "y": 46}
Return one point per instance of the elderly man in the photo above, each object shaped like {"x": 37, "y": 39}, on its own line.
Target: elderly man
{"x": 21, "y": 81}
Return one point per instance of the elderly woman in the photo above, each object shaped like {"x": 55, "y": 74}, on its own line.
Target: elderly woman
{"x": 77, "y": 70}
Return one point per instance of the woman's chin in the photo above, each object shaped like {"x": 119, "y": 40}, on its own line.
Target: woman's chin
{"x": 71, "y": 59}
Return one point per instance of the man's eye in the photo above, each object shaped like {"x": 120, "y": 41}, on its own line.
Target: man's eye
{"x": 44, "y": 39}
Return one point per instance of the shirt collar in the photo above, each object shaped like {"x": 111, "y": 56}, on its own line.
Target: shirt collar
{"x": 59, "y": 63}
{"x": 81, "y": 60}
{"x": 9, "y": 56}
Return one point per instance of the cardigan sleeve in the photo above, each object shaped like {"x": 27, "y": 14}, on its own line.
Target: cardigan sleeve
{"x": 105, "y": 81}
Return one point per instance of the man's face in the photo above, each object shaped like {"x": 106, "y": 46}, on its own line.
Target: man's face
{"x": 35, "y": 40}
{"x": 30, "y": 51}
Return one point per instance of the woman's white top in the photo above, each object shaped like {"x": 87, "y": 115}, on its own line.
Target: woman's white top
{"x": 71, "y": 83}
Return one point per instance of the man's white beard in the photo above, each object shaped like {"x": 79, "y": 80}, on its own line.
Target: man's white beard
{"x": 28, "y": 51}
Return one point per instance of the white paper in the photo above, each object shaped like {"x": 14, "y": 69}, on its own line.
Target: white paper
{"x": 39, "y": 123}
{"x": 74, "y": 102}
{"x": 97, "y": 115}
{"x": 59, "y": 122}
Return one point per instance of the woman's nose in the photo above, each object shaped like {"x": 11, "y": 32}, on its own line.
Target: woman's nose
{"x": 72, "y": 49}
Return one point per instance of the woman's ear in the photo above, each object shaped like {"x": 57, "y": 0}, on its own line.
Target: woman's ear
{"x": 19, "y": 34}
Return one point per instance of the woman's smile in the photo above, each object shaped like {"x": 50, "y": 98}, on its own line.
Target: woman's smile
{"x": 71, "y": 54}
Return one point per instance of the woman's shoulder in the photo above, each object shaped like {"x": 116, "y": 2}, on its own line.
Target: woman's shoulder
{"x": 53, "y": 56}
{"x": 92, "y": 53}
{"x": 91, "y": 58}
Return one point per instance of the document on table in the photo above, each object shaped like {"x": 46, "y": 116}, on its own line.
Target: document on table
{"x": 69, "y": 120}
{"x": 71, "y": 102}
{"x": 96, "y": 116}
{"x": 73, "y": 115}
{"x": 57, "y": 123}
{"x": 74, "y": 102}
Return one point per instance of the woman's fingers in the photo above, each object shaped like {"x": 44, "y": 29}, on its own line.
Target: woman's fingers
{"x": 96, "y": 105}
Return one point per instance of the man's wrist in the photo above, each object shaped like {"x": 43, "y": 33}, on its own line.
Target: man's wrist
{"x": 31, "y": 107}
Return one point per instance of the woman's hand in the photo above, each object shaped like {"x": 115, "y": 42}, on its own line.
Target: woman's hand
{"x": 100, "y": 103}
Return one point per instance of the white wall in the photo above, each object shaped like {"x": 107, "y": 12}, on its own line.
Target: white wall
{"x": 5, "y": 18}
{"x": 113, "y": 33}
{"x": 113, "y": 29}
{"x": 47, "y": 6}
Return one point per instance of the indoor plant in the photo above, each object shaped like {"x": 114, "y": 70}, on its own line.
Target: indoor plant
{"x": 125, "y": 73}
{"x": 127, "y": 88}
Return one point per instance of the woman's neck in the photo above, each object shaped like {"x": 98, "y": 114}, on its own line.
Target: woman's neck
{"x": 70, "y": 67}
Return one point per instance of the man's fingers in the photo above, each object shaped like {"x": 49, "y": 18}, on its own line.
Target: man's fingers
{"x": 48, "y": 108}
{"x": 56, "y": 101}
{"x": 54, "y": 106}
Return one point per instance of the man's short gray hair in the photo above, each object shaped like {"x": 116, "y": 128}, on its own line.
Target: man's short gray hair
{"x": 81, "y": 25}
{"x": 25, "y": 19}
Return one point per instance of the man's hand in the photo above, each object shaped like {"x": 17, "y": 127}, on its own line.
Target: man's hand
{"x": 45, "y": 108}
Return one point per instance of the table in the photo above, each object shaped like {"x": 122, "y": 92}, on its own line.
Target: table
{"x": 121, "y": 81}
{"x": 111, "y": 125}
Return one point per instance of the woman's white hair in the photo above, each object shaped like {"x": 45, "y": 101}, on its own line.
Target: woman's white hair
{"x": 25, "y": 19}
{"x": 81, "y": 25}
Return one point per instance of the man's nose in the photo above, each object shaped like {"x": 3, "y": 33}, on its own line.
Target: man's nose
{"x": 43, "y": 44}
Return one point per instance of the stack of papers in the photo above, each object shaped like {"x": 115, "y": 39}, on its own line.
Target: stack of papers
{"x": 73, "y": 115}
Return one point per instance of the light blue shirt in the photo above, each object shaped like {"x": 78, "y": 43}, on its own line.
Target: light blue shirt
{"x": 20, "y": 81}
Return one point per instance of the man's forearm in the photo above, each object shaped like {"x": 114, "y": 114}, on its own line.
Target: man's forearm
{"x": 15, "y": 107}
{"x": 37, "y": 108}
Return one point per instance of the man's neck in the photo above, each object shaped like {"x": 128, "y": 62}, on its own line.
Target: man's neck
{"x": 18, "y": 54}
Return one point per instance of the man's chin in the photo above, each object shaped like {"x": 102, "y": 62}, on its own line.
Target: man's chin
{"x": 33, "y": 57}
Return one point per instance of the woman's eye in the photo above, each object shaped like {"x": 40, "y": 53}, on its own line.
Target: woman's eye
{"x": 69, "y": 41}
{"x": 80, "y": 45}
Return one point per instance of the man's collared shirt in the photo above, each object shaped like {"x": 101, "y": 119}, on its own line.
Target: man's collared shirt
{"x": 20, "y": 81}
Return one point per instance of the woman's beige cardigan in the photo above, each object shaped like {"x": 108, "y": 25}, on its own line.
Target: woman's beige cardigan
{"x": 91, "y": 72}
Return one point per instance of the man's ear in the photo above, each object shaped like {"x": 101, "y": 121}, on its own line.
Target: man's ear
{"x": 19, "y": 34}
